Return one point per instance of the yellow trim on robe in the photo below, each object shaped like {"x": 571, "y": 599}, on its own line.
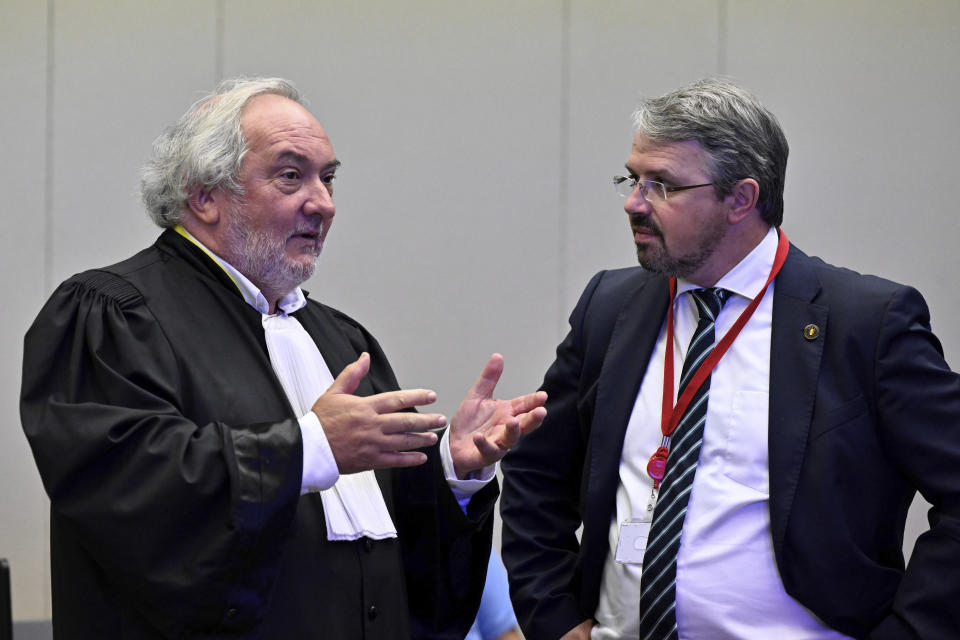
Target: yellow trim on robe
{"x": 179, "y": 229}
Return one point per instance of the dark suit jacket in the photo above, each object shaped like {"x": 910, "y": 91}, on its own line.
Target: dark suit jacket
{"x": 173, "y": 463}
{"x": 861, "y": 417}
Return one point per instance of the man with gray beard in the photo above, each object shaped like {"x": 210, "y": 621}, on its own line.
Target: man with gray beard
{"x": 228, "y": 459}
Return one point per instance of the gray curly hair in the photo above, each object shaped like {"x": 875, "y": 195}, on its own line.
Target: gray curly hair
{"x": 203, "y": 149}
{"x": 742, "y": 138}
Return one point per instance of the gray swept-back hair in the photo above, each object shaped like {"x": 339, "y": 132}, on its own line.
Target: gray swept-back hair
{"x": 740, "y": 136}
{"x": 203, "y": 149}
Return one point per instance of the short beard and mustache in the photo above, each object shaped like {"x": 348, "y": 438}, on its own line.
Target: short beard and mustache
{"x": 261, "y": 256}
{"x": 657, "y": 258}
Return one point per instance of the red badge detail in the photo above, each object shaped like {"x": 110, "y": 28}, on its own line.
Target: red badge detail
{"x": 657, "y": 466}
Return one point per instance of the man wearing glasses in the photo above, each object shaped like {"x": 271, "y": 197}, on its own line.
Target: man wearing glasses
{"x": 738, "y": 428}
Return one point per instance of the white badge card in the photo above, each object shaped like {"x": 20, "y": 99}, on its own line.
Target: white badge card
{"x": 633, "y": 541}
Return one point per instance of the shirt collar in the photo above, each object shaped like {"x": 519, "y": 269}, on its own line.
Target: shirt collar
{"x": 748, "y": 277}
{"x": 251, "y": 293}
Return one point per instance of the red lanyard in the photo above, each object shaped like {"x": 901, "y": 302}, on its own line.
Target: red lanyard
{"x": 670, "y": 415}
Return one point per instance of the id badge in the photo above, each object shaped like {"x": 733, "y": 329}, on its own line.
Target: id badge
{"x": 633, "y": 541}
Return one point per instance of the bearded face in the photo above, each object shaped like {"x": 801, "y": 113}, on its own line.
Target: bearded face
{"x": 276, "y": 260}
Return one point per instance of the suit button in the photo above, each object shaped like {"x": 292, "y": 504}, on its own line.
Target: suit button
{"x": 372, "y": 612}
{"x": 367, "y": 545}
{"x": 231, "y": 613}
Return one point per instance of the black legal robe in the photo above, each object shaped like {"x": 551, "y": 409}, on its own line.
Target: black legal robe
{"x": 173, "y": 462}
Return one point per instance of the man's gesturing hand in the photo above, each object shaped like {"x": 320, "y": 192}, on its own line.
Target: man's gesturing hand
{"x": 484, "y": 428}
{"x": 371, "y": 432}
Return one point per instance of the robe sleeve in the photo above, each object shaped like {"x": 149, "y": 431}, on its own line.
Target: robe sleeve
{"x": 185, "y": 520}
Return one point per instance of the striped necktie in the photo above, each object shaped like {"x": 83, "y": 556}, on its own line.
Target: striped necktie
{"x": 658, "y": 597}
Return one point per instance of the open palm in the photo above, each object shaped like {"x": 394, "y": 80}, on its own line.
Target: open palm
{"x": 484, "y": 428}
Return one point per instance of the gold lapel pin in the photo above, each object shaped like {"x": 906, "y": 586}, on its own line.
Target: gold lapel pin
{"x": 811, "y": 332}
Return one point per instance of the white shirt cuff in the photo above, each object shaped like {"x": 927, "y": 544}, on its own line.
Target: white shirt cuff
{"x": 319, "y": 466}
{"x": 463, "y": 490}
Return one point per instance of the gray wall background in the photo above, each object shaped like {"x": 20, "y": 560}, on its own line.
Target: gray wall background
{"x": 478, "y": 141}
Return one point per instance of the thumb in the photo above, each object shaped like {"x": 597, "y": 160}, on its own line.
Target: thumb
{"x": 349, "y": 379}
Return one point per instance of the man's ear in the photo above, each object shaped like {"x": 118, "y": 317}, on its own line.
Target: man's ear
{"x": 743, "y": 199}
{"x": 206, "y": 205}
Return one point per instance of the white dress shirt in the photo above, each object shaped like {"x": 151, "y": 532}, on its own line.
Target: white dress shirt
{"x": 728, "y": 586}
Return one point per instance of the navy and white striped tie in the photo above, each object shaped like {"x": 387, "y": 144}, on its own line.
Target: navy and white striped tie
{"x": 658, "y": 596}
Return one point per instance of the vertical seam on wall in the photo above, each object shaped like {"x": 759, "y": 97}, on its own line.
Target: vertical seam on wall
{"x": 48, "y": 231}
{"x": 219, "y": 27}
{"x": 722, "y": 37}
{"x": 564, "y": 168}
{"x": 48, "y": 159}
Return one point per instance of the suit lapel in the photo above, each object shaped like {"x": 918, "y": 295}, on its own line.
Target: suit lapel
{"x": 795, "y": 356}
{"x": 631, "y": 343}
